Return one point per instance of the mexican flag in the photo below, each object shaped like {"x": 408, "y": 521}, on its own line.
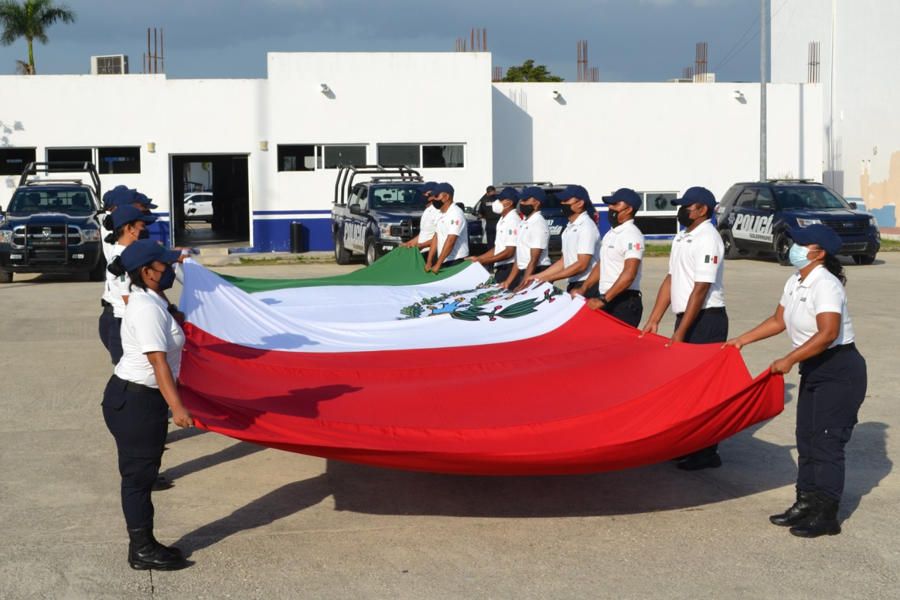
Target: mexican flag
{"x": 395, "y": 367}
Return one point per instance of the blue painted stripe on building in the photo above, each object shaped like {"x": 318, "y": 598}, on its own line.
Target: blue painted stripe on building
{"x": 274, "y": 235}
{"x": 291, "y": 212}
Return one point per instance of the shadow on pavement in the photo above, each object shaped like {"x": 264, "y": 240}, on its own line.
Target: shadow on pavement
{"x": 233, "y": 452}
{"x": 867, "y": 464}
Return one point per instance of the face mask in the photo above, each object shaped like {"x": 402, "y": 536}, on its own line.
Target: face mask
{"x": 144, "y": 235}
{"x": 497, "y": 207}
{"x": 613, "y": 216}
{"x": 437, "y": 203}
{"x": 684, "y": 219}
{"x": 526, "y": 209}
{"x": 567, "y": 210}
{"x": 167, "y": 279}
{"x": 799, "y": 256}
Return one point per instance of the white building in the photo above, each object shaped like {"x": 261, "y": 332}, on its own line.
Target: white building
{"x": 271, "y": 144}
{"x": 858, "y": 53}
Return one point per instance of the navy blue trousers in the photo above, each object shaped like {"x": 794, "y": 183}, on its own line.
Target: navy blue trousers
{"x": 110, "y": 329}
{"x": 832, "y": 388}
{"x": 627, "y": 307}
{"x": 138, "y": 419}
{"x": 710, "y": 326}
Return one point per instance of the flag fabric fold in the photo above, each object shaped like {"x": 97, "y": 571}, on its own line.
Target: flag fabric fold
{"x": 450, "y": 374}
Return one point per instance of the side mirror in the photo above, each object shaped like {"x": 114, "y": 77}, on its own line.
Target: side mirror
{"x": 356, "y": 209}
{"x": 854, "y": 205}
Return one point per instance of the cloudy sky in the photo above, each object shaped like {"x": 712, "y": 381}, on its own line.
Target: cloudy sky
{"x": 629, "y": 40}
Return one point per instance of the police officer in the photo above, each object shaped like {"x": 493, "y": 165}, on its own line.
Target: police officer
{"x": 621, "y": 259}
{"x": 503, "y": 255}
{"x": 450, "y": 244}
{"x": 580, "y": 243}
{"x": 427, "y": 222}
{"x": 128, "y": 225}
{"x": 694, "y": 289}
{"x": 140, "y": 392}
{"x": 813, "y": 310}
{"x": 532, "y": 241}
{"x": 488, "y": 217}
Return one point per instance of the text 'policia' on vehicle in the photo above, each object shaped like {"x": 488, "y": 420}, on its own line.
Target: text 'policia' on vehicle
{"x": 372, "y": 217}
{"x": 757, "y": 218}
{"x": 51, "y": 225}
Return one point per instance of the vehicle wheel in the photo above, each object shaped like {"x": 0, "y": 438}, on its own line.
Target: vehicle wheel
{"x": 731, "y": 250}
{"x": 341, "y": 254}
{"x": 372, "y": 253}
{"x": 6, "y": 276}
{"x": 782, "y": 249}
{"x": 864, "y": 259}
{"x": 98, "y": 273}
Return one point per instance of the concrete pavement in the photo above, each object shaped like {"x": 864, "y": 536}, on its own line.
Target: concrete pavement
{"x": 267, "y": 524}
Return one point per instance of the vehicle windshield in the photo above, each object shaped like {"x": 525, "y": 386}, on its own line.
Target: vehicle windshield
{"x": 807, "y": 198}
{"x": 76, "y": 202}
{"x": 407, "y": 197}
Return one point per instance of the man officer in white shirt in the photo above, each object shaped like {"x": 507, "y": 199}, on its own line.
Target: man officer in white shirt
{"x": 621, "y": 255}
{"x": 693, "y": 287}
{"x": 503, "y": 255}
{"x": 533, "y": 239}
{"x": 427, "y": 222}
{"x": 450, "y": 244}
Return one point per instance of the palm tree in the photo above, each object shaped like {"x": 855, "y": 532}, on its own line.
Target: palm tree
{"x": 30, "y": 19}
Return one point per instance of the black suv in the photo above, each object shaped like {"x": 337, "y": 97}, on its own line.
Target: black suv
{"x": 756, "y": 218}
{"x": 51, "y": 225}
{"x": 372, "y": 217}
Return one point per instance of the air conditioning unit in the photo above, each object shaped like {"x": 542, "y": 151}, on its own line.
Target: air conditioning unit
{"x": 113, "y": 64}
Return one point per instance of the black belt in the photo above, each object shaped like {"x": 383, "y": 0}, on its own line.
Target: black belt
{"x": 136, "y": 387}
{"x": 628, "y": 294}
{"x": 105, "y": 304}
{"x": 715, "y": 309}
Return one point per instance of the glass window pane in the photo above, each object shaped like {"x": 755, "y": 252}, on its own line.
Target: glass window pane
{"x": 80, "y": 155}
{"x": 398, "y": 155}
{"x": 447, "y": 156}
{"x": 119, "y": 160}
{"x": 296, "y": 157}
{"x": 344, "y": 156}
{"x": 659, "y": 201}
{"x": 14, "y": 160}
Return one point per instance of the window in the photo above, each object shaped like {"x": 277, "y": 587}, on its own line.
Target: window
{"x": 333, "y": 157}
{"x": 747, "y": 199}
{"x": 449, "y": 156}
{"x": 399, "y": 155}
{"x": 296, "y": 157}
{"x": 659, "y": 201}
{"x": 119, "y": 160}
{"x": 28, "y": 201}
{"x": 80, "y": 155}
{"x": 14, "y": 160}
{"x": 764, "y": 200}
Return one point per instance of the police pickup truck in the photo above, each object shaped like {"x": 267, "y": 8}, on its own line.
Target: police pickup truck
{"x": 51, "y": 225}
{"x": 756, "y": 218}
{"x": 374, "y": 216}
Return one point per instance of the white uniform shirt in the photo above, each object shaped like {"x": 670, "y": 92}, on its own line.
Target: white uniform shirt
{"x": 533, "y": 233}
{"x": 821, "y": 292}
{"x": 428, "y": 223}
{"x": 148, "y": 327}
{"x": 116, "y": 287}
{"x": 453, "y": 222}
{"x": 507, "y": 234}
{"x": 697, "y": 258}
{"x": 581, "y": 236}
{"x": 622, "y": 242}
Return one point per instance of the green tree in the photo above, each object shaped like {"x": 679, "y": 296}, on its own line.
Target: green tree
{"x": 30, "y": 19}
{"x": 530, "y": 72}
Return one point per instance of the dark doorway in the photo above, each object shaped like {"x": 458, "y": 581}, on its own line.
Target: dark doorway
{"x": 210, "y": 200}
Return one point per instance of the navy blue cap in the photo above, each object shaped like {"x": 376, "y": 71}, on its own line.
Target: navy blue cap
{"x": 626, "y": 195}
{"x": 533, "y": 192}
{"x": 442, "y": 188}
{"x": 143, "y": 199}
{"x": 821, "y": 235}
{"x": 118, "y": 196}
{"x": 578, "y": 193}
{"x": 509, "y": 193}
{"x": 696, "y": 195}
{"x": 143, "y": 252}
{"x": 127, "y": 214}
{"x": 428, "y": 186}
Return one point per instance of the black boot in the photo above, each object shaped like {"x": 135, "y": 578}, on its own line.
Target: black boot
{"x": 822, "y": 519}
{"x": 701, "y": 460}
{"x": 797, "y": 512}
{"x": 144, "y": 552}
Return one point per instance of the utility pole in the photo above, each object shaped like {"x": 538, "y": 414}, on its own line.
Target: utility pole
{"x": 763, "y": 78}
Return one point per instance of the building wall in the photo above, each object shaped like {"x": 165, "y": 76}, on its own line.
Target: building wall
{"x": 861, "y": 150}
{"x": 652, "y": 136}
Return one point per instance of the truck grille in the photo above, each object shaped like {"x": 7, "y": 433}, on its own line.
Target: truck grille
{"x": 46, "y": 244}
{"x": 848, "y": 227}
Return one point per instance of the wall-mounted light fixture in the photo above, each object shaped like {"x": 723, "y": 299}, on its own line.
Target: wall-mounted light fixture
{"x": 739, "y": 96}
{"x": 556, "y": 95}
{"x": 323, "y": 87}
{"x": 151, "y": 147}
{"x": 264, "y": 145}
